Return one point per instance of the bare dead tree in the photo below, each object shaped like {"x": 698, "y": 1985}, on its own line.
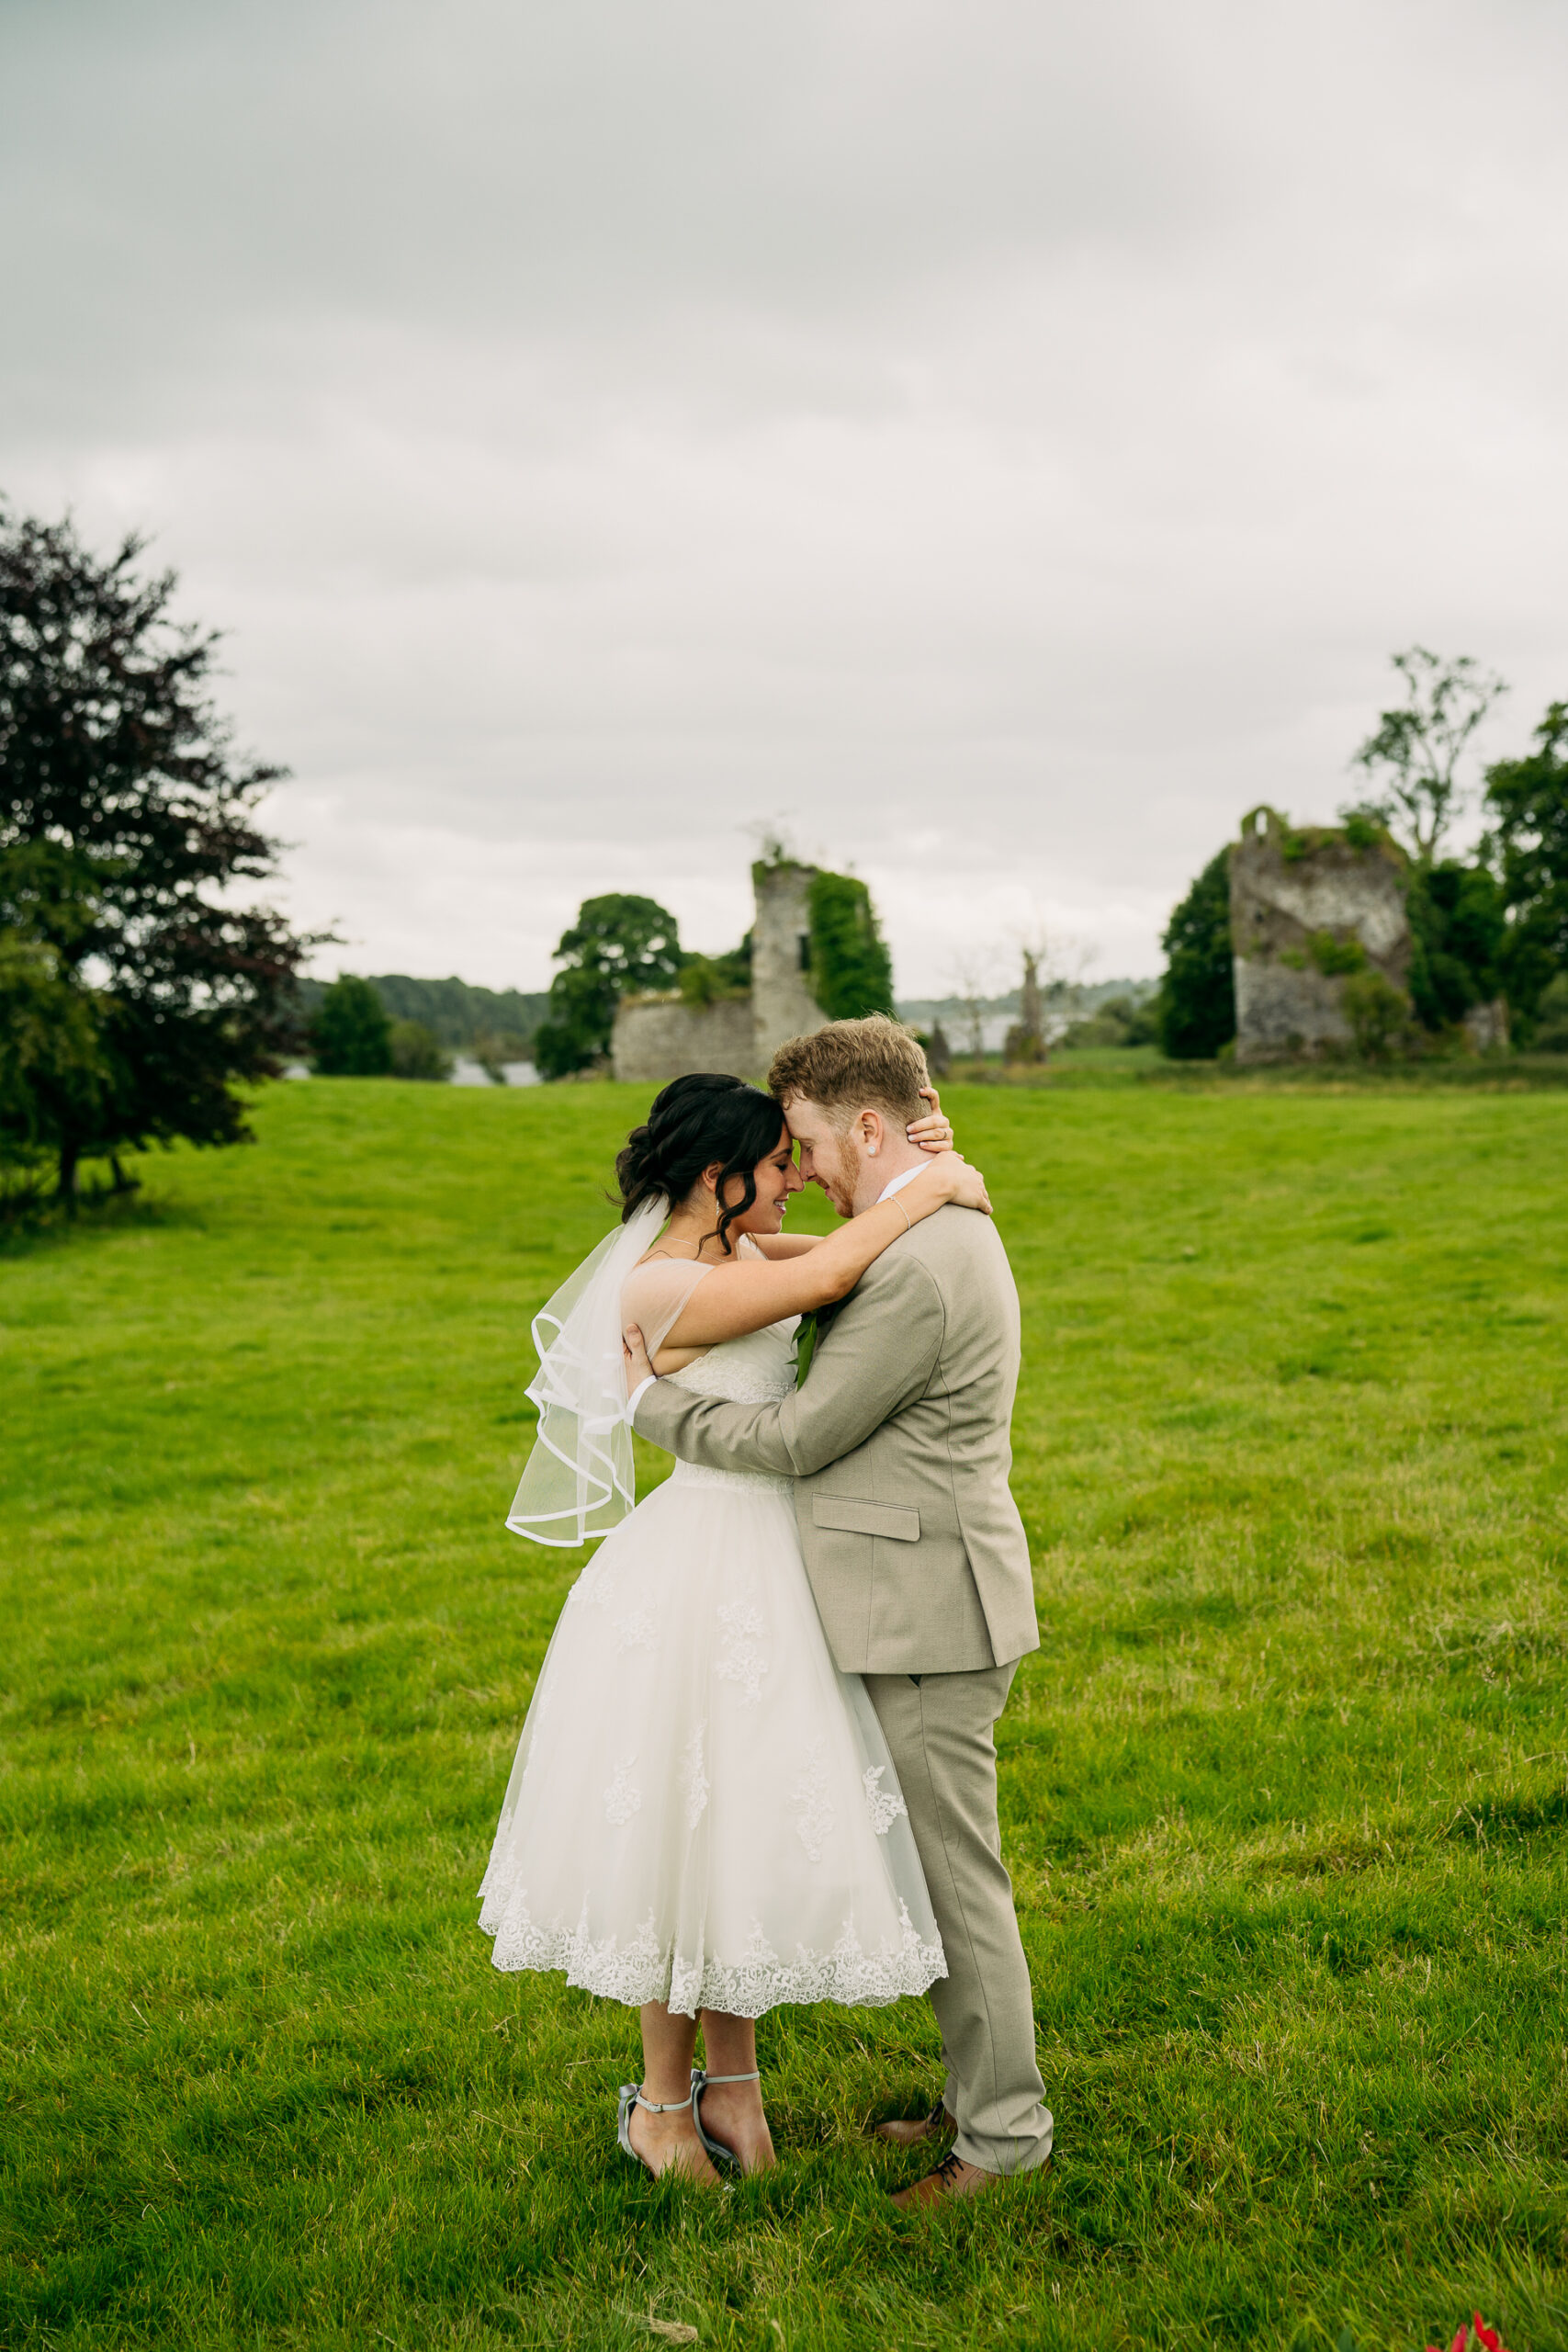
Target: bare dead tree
{"x": 1053, "y": 965}
{"x": 1415, "y": 751}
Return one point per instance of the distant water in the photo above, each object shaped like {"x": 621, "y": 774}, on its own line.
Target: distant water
{"x": 464, "y": 1073}
{"x": 467, "y": 1073}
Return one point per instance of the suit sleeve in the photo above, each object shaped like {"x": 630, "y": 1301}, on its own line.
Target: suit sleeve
{"x": 877, "y": 1357}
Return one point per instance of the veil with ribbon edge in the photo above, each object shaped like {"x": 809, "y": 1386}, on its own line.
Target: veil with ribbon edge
{"x": 579, "y": 1482}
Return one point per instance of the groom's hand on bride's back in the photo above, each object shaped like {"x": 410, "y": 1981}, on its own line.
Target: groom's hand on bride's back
{"x": 639, "y": 1369}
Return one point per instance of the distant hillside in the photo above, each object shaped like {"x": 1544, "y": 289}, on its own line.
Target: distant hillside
{"x": 1086, "y": 997}
{"x": 460, "y": 1014}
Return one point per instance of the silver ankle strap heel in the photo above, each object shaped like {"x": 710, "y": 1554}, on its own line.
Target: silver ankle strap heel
{"x": 701, "y": 2080}
{"x": 631, "y": 2096}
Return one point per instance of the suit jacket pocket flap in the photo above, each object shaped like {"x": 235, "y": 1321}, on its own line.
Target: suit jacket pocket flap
{"x": 866, "y": 1519}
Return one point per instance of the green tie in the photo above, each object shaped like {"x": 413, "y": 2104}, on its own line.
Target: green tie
{"x": 805, "y": 1346}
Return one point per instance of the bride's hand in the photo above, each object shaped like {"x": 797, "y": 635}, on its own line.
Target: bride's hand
{"x": 639, "y": 1369}
{"x": 965, "y": 1187}
{"x": 934, "y": 1131}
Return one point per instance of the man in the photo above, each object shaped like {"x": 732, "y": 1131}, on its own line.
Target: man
{"x": 897, "y": 1437}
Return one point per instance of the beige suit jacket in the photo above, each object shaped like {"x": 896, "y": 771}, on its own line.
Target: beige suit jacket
{"x": 898, "y": 1443}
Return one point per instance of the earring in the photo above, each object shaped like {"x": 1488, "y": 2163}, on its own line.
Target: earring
{"x": 871, "y": 1151}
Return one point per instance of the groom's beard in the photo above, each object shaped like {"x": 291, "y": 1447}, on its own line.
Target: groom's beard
{"x": 839, "y": 1182}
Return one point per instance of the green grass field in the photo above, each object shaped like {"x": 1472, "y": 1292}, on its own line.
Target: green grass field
{"x": 1284, "y": 1791}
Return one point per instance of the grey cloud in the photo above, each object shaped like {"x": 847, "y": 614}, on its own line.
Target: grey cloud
{"x": 1009, "y": 439}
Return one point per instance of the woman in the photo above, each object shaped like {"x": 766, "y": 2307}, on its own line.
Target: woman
{"x": 703, "y": 1818}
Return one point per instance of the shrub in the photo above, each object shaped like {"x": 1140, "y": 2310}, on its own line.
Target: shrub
{"x": 1551, "y": 1017}
{"x": 1377, "y": 1012}
{"x": 418, "y": 1052}
{"x": 1334, "y": 956}
{"x": 1118, "y": 1022}
{"x": 714, "y": 979}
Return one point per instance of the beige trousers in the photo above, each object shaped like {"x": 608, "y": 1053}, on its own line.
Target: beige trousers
{"x": 940, "y": 1731}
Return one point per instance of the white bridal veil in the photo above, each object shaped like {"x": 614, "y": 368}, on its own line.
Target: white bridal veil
{"x": 577, "y": 1482}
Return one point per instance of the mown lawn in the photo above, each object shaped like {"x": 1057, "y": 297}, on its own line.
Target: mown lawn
{"x": 1284, "y": 1791}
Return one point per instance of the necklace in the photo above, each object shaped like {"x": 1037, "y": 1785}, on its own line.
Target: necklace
{"x": 696, "y": 1248}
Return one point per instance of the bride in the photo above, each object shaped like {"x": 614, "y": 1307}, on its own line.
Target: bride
{"x": 702, "y": 1820}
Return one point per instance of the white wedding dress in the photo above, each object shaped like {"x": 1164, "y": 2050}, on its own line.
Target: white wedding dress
{"x": 703, "y": 1810}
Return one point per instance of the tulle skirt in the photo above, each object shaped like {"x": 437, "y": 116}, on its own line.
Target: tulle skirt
{"x": 703, "y": 1810}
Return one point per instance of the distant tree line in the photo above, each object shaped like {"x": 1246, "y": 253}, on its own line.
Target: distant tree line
{"x": 390, "y": 1025}
{"x": 1494, "y": 926}
{"x": 459, "y": 1015}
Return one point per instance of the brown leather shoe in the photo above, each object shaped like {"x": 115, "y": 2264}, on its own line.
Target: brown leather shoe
{"x": 904, "y": 2130}
{"x": 953, "y": 2178}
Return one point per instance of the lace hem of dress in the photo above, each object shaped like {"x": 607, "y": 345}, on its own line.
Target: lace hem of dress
{"x": 747, "y": 1987}
{"x": 737, "y": 1482}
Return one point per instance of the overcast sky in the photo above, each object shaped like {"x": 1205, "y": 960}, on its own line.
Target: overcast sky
{"x": 998, "y": 443}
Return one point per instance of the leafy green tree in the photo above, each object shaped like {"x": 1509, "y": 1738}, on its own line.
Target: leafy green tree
{"x": 1415, "y": 750}
{"x": 418, "y": 1052}
{"x": 1456, "y": 935}
{"x": 1197, "y": 996}
{"x": 112, "y": 755}
{"x": 351, "y": 1034}
{"x": 1528, "y": 801}
{"x": 619, "y": 943}
{"x": 577, "y": 1031}
{"x": 55, "y": 1069}
{"x": 851, "y": 972}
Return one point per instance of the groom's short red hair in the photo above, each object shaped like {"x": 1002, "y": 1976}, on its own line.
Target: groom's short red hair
{"x": 869, "y": 1065}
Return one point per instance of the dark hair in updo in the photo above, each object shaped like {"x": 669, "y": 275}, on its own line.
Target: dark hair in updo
{"x": 695, "y": 1121}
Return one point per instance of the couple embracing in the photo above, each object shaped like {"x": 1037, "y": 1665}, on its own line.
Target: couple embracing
{"x": 759, "y": 1764}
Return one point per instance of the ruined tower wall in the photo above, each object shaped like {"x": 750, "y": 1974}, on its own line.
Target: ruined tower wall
{"x": 656, "y": 1038}
{"x": 1300, "y": 904}
{"x": 781, "y": 1003}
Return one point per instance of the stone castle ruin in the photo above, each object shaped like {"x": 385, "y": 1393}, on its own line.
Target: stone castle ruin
{"x": 1309, "y": 909}
{"x": 659, "y": 1037}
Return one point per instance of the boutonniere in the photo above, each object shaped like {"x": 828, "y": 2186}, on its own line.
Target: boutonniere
{"x": 808, "y": 1332}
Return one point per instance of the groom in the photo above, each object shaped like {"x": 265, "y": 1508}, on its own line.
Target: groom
{"x": 896, "y": 1438}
